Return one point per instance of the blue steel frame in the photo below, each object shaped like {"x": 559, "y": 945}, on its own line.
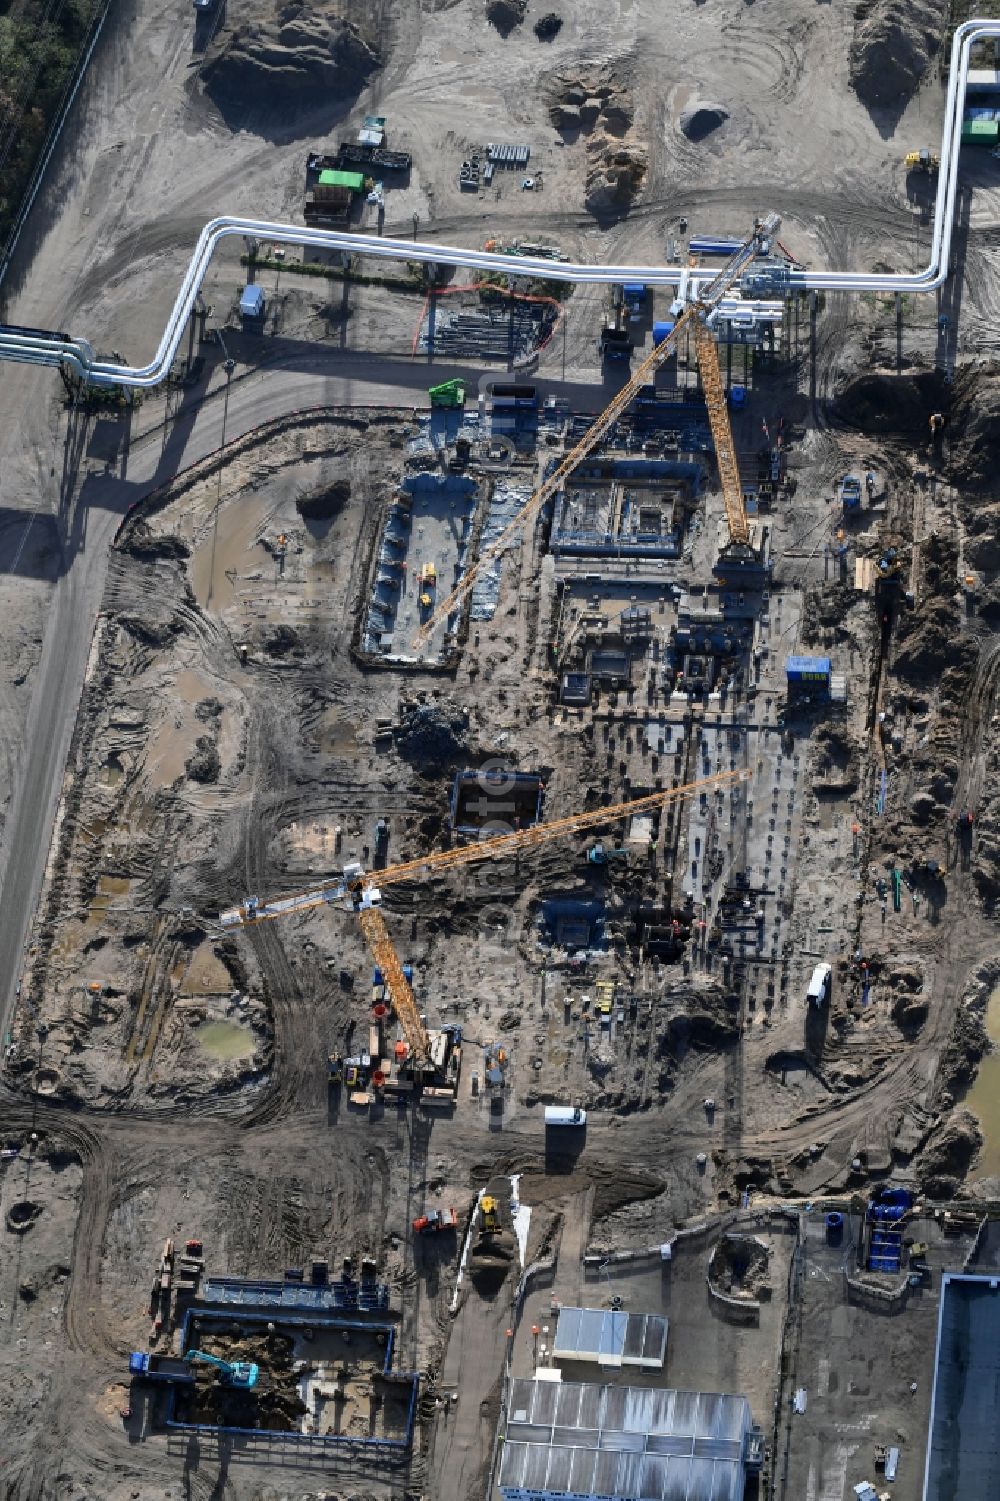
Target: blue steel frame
{"x": 310, "y": 1320}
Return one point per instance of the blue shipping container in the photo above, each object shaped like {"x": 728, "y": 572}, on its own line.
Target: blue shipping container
{"x": 713, "y": 245}
{"x": 634, "y": 289}
{"x": 807, "y": 669}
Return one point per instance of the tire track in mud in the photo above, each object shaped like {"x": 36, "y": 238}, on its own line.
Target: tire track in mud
{"x": 981, "y": 706}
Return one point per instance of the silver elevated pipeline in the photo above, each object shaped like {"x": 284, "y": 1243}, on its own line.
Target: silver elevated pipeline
{"x": 40, "y": 348}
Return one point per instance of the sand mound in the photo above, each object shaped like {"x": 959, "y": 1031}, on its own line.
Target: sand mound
{"x": 597, "y": 102}
{"x": 295, "y": 56}
{"x": 616, "y": 171}
{"x": 893, "y": 44}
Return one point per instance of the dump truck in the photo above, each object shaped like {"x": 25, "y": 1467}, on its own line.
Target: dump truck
{"x": 849, "y": 491}
{"x": 435, "y": 1222}
{"x": 147, "y": 1366}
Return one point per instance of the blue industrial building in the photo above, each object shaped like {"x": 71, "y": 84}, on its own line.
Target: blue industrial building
{"x": 963, "y": 1448}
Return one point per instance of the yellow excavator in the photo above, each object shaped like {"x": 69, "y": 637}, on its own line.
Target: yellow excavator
{"x": 489, "y": 1211}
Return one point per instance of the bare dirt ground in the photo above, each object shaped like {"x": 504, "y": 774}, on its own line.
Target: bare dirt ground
{"x": 225, "y": 744}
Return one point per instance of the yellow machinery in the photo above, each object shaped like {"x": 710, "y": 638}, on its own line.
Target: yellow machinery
{"x": 722, "y": 433}
{"x": 364, "y": 889}
{"x": 428, "y": 582}
{"x": 692, "y": 316}
{"x": 489, "y": 1211}
{"x": 922, "y": 161}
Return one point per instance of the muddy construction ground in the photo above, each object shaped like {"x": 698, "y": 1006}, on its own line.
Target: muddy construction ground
{"x": 234, "y": 572}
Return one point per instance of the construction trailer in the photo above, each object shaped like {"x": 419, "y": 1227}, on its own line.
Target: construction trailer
{"x": 449, "y": 394}
{"x": 563, "y": 1116}
{"x": 818, "y": 992}
{"x": 977, "y": 131}
{"x": 253, "y": 307}
{"x": 808, "y": 676}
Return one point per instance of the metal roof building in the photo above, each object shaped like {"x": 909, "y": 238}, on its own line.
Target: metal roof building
{"x": 963, "y": 1447}
{"x": 607, "y": 1337}
{"x": 594, "y": 1443}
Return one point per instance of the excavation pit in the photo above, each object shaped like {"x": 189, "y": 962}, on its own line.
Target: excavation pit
{"x": 496, "y": 799}
{"x": 22, "y": 1216}
{"x": 322, "y": 1380}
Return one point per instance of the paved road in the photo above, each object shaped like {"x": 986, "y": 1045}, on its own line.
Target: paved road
{"x": 87, "y": 529}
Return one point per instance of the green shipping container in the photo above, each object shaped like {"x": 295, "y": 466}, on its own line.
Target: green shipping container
{"x": 353, "y": 180}
{"x": 980, "y": 132}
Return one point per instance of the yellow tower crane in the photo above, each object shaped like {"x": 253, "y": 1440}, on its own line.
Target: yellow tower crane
{"x": 693, "y": 315}
{"x": 361, "y": 890}
{"x": 722, "y": 434}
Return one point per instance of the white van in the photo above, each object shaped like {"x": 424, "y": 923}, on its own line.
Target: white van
{"x": 565, "y": 1115}
{"x": 819, "y": 986}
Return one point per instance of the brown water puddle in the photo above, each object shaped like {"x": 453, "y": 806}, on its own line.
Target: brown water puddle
{"x": 228, "y": 549}
{"x": 983, "y": 1098}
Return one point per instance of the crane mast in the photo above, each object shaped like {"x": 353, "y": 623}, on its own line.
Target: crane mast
{"x": 527, "y": 839}
{"x": 693, "y": 314}
{"x": 362, "y": 892}
{"x": 363, "y": 889}
{"x": 722, "y": 433}
{"x": 383, "y": 951}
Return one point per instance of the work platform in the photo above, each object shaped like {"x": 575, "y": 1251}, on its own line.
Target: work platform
{"x": 342, "y": 1295}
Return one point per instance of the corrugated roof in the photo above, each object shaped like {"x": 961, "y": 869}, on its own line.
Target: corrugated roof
{"x": 639, "y": 1444}
{"x": 963, "y": 1452}
{"x": 609, "y": 1336}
